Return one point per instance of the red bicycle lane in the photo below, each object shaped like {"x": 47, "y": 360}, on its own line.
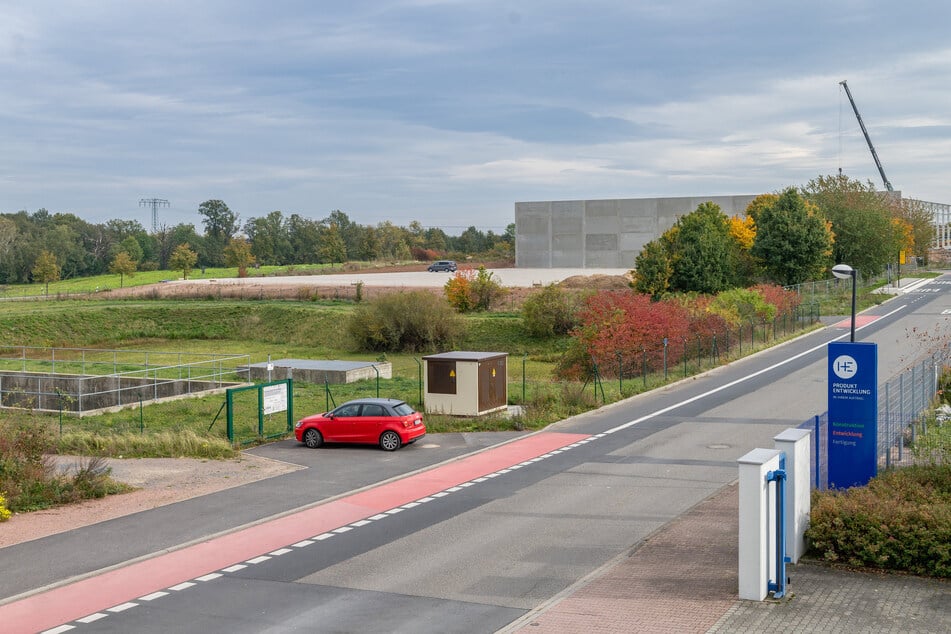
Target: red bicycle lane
{"x": 118, "y": 588}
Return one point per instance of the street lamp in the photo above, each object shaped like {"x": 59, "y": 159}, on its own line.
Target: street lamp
{"x": 843, "y": 271}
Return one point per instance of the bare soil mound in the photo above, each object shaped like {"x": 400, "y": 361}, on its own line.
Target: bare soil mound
{"x": 597, "y": 282}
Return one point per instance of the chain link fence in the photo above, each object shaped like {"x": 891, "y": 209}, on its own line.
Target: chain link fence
{"x": 903, "y": 402}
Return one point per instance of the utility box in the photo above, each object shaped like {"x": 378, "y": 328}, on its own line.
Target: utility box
{"x": 466, "y": 383}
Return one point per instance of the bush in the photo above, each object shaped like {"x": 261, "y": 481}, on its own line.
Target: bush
{"x": 4, "y": 511}
{"x": 900, "y": 521}
{"x": 738, "y": 305}
{"x": 550, "y": 312}
{"x": 625, "y": 323}
{"x": 413, "y": 321}
{"x": 470, "y": 290}
{"x": 29, "y": 480}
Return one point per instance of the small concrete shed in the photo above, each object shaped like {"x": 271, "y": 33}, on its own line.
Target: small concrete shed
{"x": 466, "y": 383}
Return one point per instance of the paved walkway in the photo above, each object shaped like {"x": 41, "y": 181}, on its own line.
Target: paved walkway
{"x": 684, "y": 579}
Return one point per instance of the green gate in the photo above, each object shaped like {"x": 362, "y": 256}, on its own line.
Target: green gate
{"x": 251, "y": 419}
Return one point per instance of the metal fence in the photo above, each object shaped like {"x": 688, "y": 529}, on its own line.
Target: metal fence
{"x": 84, "y": 380}
{"x": 901, "y": 403}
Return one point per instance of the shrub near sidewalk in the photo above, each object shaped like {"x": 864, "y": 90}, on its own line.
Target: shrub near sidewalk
{"x": 30, "y": 481}
{"x": 900, "y": 521}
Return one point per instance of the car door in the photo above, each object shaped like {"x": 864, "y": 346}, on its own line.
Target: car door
{"x": 343, "y": 425}
{"x": 372, "y": 420}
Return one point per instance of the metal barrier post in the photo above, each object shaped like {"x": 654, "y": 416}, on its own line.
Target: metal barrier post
{"x": 794, "y": 443}
{"x": 754, "y": 522}
{"x": 778, "y": 585}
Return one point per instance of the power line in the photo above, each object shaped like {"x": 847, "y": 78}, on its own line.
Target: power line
{"x": 154, "y": 203}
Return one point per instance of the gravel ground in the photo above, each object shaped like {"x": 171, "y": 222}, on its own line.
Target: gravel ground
{"x": 158, "y": 481}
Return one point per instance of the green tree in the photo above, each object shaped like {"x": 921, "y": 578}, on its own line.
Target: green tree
{"x": 703, "y": 252}
{"x": 238, "y": 254}
{"x": 183, "y": 259}
{"x": 332, "y": 247}
{"x": 270, "y": 239}
{"x": 792, "y": 241}
{"x": 922, "y": 225}
{"x": 220, "y": 226}
{"x": 652, "y": 270}
{"x": 123, "y": 264}
{"x": 304, "y": 238}
{"x": 861, "y": 221}
{"x": 46, "y": 269}
{"x": 131, "y": 247}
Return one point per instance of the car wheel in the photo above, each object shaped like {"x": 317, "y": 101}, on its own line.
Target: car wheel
{"x": 390, "y": 441}
{"x": 313, "y": 439}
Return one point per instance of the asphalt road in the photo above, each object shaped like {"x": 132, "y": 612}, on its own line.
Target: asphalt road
{"x": 479, "y": 553}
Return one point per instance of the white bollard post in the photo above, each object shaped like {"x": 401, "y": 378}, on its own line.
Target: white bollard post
{"x": 755, "y": 534}
{"x": 795, "y": 443}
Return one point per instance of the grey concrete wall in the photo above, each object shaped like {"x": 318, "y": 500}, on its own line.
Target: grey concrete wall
{"x": 601, "y": 233}
{"x": 84, "y": 393}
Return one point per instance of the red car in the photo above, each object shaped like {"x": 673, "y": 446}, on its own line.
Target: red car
{"x": 387, "y": 422}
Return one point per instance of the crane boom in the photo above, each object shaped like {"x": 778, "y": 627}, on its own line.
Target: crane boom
{"x": 868, "y": 139}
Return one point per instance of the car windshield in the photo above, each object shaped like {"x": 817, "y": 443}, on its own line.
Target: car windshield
{"x": 403, "y": 409}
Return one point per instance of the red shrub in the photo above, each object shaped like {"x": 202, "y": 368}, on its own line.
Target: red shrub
{"x": 785, "y": 301}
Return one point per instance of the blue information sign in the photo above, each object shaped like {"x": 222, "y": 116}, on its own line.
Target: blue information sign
{"x": 853, "y": 413}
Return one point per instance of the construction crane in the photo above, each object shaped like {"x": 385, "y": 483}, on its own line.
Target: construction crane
{"x": 868, "y": 140}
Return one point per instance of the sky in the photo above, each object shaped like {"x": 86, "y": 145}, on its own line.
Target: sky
{"x": 447, "y": 112}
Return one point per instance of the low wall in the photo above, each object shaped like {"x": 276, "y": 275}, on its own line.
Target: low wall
{"x": 83, "y": 393}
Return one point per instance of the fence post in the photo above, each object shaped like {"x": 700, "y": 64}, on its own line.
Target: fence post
{"x": 685, "y": 355}
{"x": 524, "y": 360}
{"x": 888, "y": 430}
{"x": 665, "y": 359}
{"x": 620, "y": 375}
{"x": 644, "y": 355}
{"x": 419, "y": 378}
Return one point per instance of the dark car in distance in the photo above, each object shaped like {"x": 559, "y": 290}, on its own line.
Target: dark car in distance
{"x": 442, "y": 265}
{"x": 387, "y": 422}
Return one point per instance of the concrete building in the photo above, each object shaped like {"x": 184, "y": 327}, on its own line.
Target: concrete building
{"x": 601, "y": 233}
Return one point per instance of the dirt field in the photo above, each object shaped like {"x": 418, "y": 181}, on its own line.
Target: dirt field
{"x": 370, "y": 283}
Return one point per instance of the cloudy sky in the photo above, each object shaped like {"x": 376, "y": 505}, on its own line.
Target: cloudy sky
{"x": 449, "y": 111}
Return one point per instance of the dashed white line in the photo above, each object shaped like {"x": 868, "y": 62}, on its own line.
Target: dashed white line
{"x": 122, "y": 607}
{"x": 279, "y": 552}
{"x": 323, "y": 536}
{"x": 235, "y": 568}
{"x": 184, "y": 585}
{"x": 156, "y": 595}
{"x": 301, "y": 544}
{"x": 92, "y": 618}
{"x": 209, "y": 577}
{"x": 258, "y": 560}
{"x": 378, "y": 516}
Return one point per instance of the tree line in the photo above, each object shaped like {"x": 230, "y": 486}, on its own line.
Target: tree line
{"x": 42, "y": 246}
{"x": 785, "y": 238}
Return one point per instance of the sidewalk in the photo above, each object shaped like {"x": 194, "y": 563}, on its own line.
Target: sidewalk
{"x": 684, "y": 579}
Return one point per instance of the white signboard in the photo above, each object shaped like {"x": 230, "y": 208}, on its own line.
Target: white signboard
{"x": 275, "y": 398}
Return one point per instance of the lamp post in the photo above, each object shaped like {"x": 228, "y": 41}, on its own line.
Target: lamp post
{"x": 843, "y": 271}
